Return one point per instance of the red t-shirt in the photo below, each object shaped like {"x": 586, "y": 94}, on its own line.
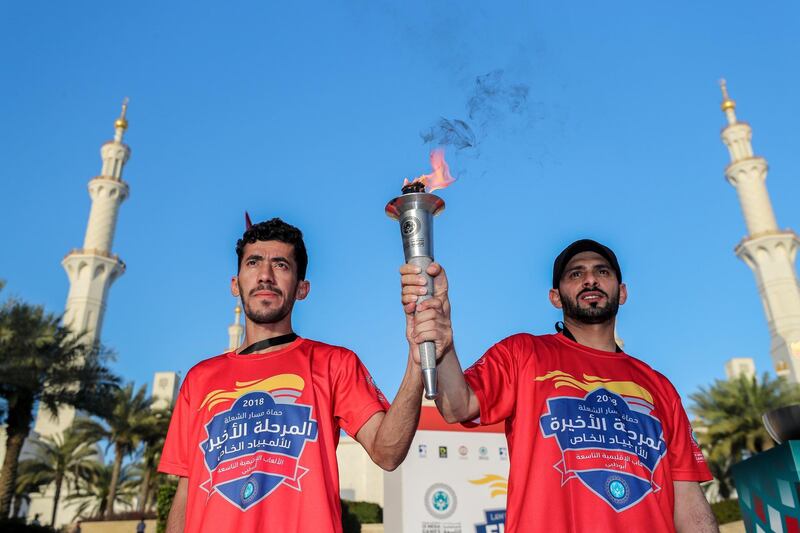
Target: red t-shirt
{"x": 595, "y": 438}
{"x": 256, "y": 435}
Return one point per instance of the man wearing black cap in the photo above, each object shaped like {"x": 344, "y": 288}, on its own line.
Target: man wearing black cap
{"x": 598, "y": 440}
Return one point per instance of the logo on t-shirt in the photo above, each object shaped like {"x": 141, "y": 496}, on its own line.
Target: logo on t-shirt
{"x": 609, "y": 442}
{"x": 255, "y": 445}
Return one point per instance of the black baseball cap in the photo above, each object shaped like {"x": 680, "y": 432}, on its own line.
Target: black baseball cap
{"x": 583, "y": 245}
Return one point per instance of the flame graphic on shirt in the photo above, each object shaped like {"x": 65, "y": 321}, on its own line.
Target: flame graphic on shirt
{"x": 498, "y": 484}
{"x": 285, "y": 386}
{"x": 589, "y": 383}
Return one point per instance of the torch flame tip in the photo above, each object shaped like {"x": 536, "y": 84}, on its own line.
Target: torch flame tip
{"x": 439, "y": 178}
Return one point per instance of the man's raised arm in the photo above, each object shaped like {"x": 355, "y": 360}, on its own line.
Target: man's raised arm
{"x": 430, "y": 321}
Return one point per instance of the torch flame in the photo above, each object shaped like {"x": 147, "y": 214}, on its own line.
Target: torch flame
{"x": 440, "y": 177}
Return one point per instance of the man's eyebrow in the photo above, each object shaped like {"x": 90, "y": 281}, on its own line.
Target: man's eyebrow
{"x": 257, "y": 257}
{"x": 281, "y": 259}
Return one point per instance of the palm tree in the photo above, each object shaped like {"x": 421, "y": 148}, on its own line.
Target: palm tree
{"x": 730, "y": 425}
{"x": 153, "y": 439}
{"x": 124, "y": 427}
{"x": 43, "y": 362}
{"x": 22, "y": 493}
{"x": 56, "y": 459}
{"x": 92, "y": 490}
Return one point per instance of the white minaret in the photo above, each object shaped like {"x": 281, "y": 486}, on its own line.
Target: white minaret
{"x": 767, "y": 250}
{"x": 235, "y": 330}
{"x": 93, "y": 268}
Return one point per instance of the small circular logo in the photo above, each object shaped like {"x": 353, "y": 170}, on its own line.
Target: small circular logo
{"x": 462, "y": 451}
{"x": 249, "y": 490}
{"x": 440, "y": 500}
{"x": 617, "y": 488}
{"x": 409, "y": 226}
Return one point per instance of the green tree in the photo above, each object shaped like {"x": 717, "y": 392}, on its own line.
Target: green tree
{"x": 124, "y": 427}
{"x": 57, "y": 459}
{"x": 43, "y": 362}
{"x": 22, "y": 493}
{"x": 153, "y": 438}
{"x": 731, "y": 427}
{"x": 92, "y": 491}
{"x": 166, "y": 493}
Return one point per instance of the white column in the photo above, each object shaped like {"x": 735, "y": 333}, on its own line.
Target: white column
{"x": 235, "y": 330}
{"x": 769, "y": 252}
{"x": 92, "y": 269}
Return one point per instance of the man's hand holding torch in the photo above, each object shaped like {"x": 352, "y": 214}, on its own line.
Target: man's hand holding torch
{"x": 427, "y": 316}
{"x": 429, "y": 320}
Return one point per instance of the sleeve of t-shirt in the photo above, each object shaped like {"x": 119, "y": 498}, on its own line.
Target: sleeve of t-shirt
{"x": 175, "y": 455}
{"x": 356, "y": 397}
{"x": 493, "y": 380}
{"x": 685, "y": 455}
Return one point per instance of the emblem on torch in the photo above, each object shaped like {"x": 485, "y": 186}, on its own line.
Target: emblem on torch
{"x": 415, "y": 210}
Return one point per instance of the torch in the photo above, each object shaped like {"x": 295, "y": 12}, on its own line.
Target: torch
{"x": 415, "y": 210}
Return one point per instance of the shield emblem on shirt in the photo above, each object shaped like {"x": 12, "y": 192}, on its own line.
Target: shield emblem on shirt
{"x": 611, "y": 446}
{"x": 255, "y": 446}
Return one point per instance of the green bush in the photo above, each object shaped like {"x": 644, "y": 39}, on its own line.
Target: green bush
{"x": 18, "y": 525}
{"x": 366, "y": 512}
{"x": 127, "y": 515}
{"x": 165, "y": 495}
{"x": 726, "y": 511}
{"x": 350, "y": 523}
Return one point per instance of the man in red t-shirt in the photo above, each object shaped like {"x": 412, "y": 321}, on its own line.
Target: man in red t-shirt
{"x": 254, "y": 432}
{"x": 598, "y": 440}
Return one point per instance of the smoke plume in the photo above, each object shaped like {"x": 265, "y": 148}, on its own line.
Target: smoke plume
{"x": 491, "y": 102}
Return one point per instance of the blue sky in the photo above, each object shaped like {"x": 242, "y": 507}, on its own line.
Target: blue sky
{"x": 313, "y": 112}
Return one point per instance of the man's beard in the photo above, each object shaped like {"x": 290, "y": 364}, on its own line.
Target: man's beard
{"x": 267, "y": 316}
{"x": 594, "y": 314}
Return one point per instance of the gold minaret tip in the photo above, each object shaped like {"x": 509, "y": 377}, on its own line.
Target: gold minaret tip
{"x": 727, "y": 102}
{"x": 121, "y": 122}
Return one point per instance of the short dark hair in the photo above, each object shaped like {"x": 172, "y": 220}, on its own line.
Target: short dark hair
{"x": 276, "y": 230}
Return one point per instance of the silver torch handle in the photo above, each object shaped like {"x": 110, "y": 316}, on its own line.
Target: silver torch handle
{"x": 415, "y": 211}
{"x": 427, "y": 349}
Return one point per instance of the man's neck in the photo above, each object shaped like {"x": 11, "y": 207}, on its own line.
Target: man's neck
{"x": 254, "y": 332}
{"x": 597, "y": 336}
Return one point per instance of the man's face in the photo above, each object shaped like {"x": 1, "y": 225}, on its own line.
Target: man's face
{"x": 267, "y": 281}
{"x": 589, "y": 290}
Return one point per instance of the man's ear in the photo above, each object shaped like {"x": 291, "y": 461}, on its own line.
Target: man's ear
{"x": 555, "y": 298}
{"x": 303, "y": 288}
{"x": 623, "y": 293}
{"x": 235, "y": 286}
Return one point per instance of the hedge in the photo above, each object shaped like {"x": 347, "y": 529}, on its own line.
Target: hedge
{"x": 163, "y": 504}
{"x": 18, "y": 525}
{"x": 366, "y": 512}
{"x": 726, "y": 511}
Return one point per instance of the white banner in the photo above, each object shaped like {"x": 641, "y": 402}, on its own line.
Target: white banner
{"x": 453, "y": 481}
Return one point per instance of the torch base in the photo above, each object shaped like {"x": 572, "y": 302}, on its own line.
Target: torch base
{"x": 429, "y": 380}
